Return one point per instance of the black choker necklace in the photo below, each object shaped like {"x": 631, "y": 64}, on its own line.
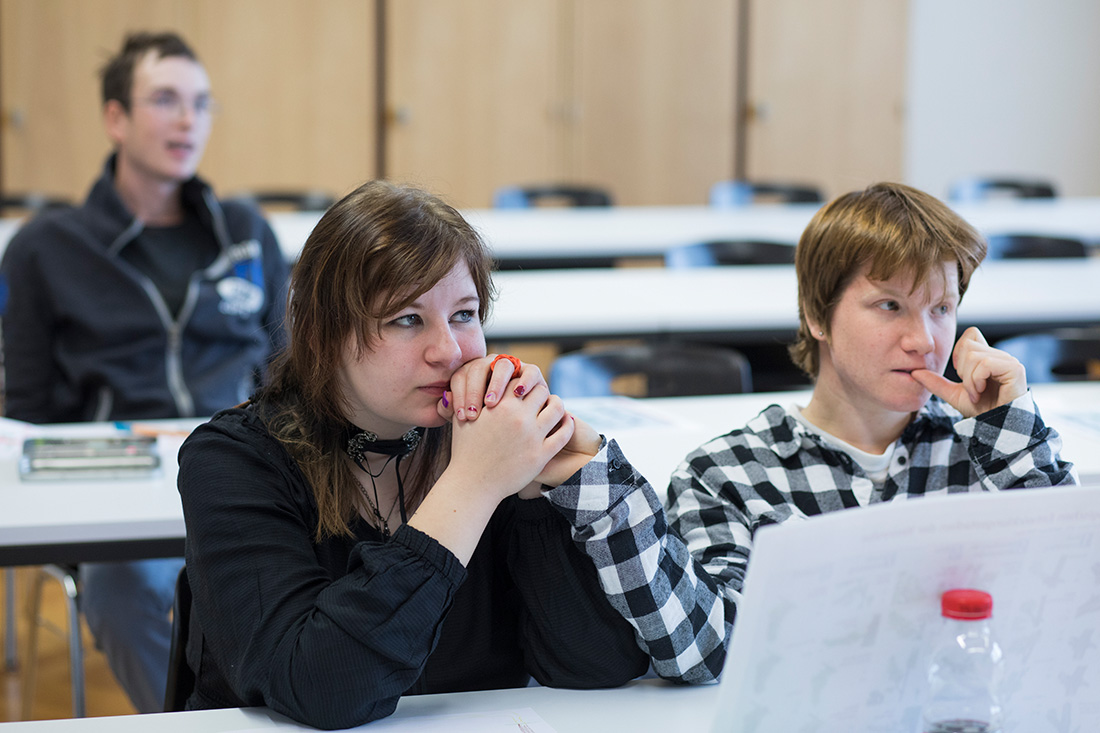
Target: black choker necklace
{"x": 362, "y": 442}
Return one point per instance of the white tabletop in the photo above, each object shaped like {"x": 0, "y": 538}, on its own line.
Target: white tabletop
{"x": 644, "y": 705}
{"x": 748, "y": 303}
{"x": 640, "y": 231}
{"x": 655, "y": 434}
{"x": 48, "y": 519}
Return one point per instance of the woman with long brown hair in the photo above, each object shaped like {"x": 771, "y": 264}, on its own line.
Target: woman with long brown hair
{"x": 347, "y": 542}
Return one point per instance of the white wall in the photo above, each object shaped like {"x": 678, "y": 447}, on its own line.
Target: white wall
{"x": 1004, "y": 87}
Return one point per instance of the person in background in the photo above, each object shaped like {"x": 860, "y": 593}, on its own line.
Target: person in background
{"x": 362, "y": 528}
{"x": 151, "y": 300}
{"x": 881, "y": 273}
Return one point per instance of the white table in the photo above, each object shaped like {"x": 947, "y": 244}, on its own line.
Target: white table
{"x": 73, "y": 521}
{"x": 644, "y": 705}
{"x": 61, "y": 521}
{"x": 752, "y": 304}
{"x": 627, "y": 231}
{"x": 641, "y": 231}
{"x": 646, "y": 231}
{"x": 656, "y": 434}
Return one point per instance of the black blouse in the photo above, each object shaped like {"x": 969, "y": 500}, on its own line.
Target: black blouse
{"x": 332, "y": 634}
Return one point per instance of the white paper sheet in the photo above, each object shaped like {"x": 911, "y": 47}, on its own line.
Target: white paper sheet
{"x": 613, "y": 415}
{"x": 835, "y": 626}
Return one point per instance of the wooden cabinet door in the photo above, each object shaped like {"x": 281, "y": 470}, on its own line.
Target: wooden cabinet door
{"x": 50, "y": 55}
{"x": 296, "y": 85}
{"x": 295, "y": 82}
{"x": 474, "y": 94}
{"x": 826, "y": 91}
{"x": 637, "y": 97}
{"x": 654, "y": 86}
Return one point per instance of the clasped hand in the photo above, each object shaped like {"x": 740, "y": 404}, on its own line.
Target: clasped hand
{"x": 520, "y": 416}
{"x": 990, "y": 377}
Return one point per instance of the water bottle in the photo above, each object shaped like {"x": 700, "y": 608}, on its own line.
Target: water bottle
{"x": 965, "y": 669}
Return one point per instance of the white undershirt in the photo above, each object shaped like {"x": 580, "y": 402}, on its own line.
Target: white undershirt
{"x": 876, "y": 466}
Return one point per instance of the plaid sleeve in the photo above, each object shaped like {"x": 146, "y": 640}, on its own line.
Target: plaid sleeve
{"x": 681, "y": 619}
{"x": 1011, "y": 447}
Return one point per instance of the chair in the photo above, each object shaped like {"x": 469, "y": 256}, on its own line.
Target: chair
{"x": 1026, "y": 246}
{"x": 68, "y": 577}
{"x": 312, "y": 200}
{"x": 32, "y": 202}
{"x": 660, "y": 369}
{"x": 502, "y": 264}
{"x": 181, "y": 679}
{"x": 730, "y": 252}
{"x": 730, "y": 194}
{"x": 982, "y": 188}
{"x": 525, "y": 197}
{"x": 1061, "y": 355}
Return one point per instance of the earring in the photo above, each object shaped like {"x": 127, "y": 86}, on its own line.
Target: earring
{"x": 821, "y": 333}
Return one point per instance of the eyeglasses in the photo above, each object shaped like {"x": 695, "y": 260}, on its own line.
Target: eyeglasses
{"x": 171, "y": 104}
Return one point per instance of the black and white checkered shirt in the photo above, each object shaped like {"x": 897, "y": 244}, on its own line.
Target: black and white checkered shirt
{"x": 678, "y": 580}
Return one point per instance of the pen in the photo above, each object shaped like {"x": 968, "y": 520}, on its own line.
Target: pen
{"x": 150, "y": 430}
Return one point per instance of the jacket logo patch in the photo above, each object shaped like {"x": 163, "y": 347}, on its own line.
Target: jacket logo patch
{"x": 247, "y": 250}
{"x": 239, "y": 296}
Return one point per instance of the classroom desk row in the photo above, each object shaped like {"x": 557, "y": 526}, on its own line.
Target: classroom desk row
{"x": 71, "y": 521}
{"x": 758, "y": 303}
{"x": 737, "y": 305}
{"x": 649, "y": 231}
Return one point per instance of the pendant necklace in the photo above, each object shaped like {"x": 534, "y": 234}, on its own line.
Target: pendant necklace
{"x": 362, "y": 442}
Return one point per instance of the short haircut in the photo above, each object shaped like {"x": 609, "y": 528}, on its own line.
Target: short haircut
{"x": 118, "y": 72}
{"x": 890, "y": 227}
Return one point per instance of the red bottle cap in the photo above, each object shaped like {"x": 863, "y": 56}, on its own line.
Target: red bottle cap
{"x": 966, "y": 604}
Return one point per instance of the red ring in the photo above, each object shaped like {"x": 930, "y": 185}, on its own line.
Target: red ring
{"x": 515, "y": 362}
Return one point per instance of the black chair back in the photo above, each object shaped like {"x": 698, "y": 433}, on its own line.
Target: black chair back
{"x": 294, "y": 200}
{"x": 1061, "y": 355}
{"x": 523, "y": 197}
{"x": 507, "y": 264}
{"x": 32, "y": 203}
{"x": 981, "y": 188}
{"x": 661, "y": 369}
{"x": 731, "y": 252}
{"x": 181, "y": 680}
{"x": 743, "y": 193}
{"x": 1027, "y": 246}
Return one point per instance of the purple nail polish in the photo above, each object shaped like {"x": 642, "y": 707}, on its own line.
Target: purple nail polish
{"x": 491, "y": 397}
{"x": 446, "y": 402}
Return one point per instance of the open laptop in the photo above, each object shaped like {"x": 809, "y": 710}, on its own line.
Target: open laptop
{"x": 836, "y": 624}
